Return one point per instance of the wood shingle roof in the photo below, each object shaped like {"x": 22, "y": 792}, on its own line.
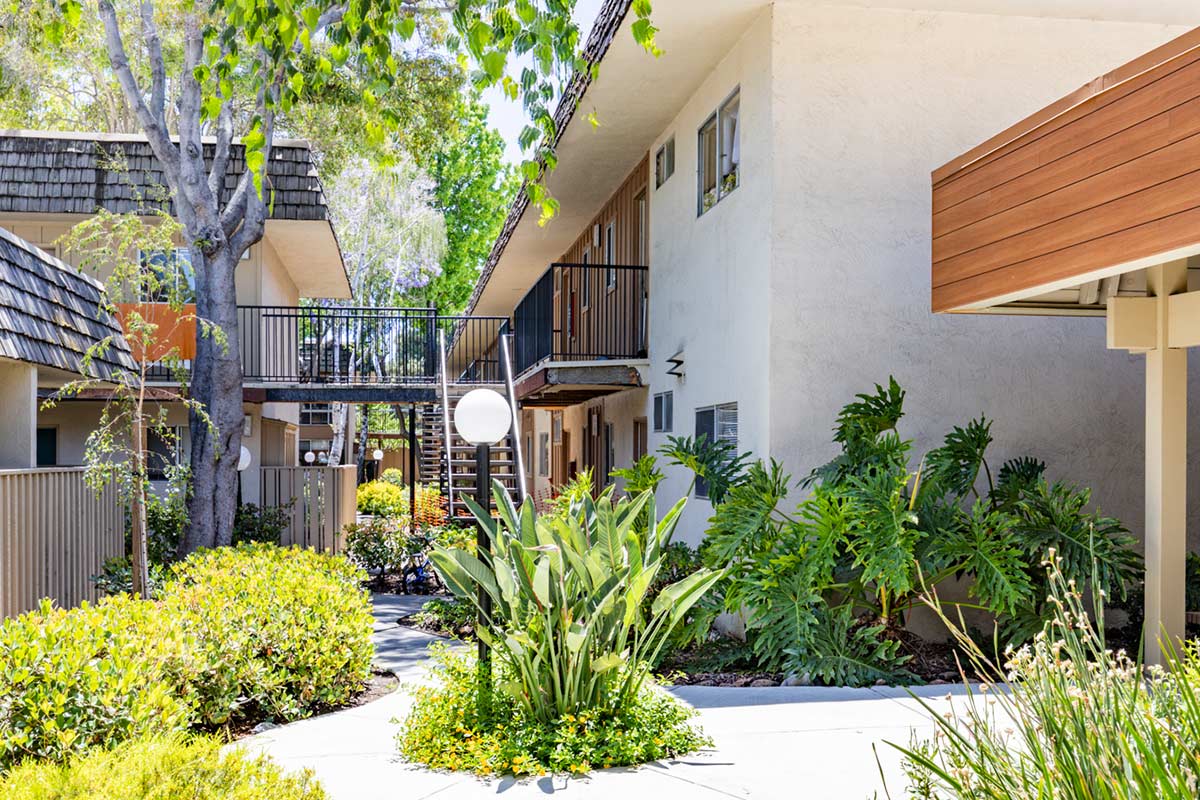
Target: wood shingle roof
{"x": 77, "y": 173}
{"x": 51, "y": 314}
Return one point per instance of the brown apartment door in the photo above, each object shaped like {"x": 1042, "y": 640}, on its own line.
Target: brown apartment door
{"x": 593, "y": 448}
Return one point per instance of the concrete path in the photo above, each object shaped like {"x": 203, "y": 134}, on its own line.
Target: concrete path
{"x": 807, "y": 743}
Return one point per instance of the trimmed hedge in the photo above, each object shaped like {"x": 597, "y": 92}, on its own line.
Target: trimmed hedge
{"x": 239, "y": 633}
{"x": 382, "y": 499}
{"x": 160, "y": 768}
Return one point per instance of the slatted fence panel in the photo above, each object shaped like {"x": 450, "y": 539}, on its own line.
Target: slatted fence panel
{"x": 55, "y": 533}
{"x": 325, "y": 503}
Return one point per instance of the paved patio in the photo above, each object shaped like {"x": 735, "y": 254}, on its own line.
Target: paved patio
{"x": 802, "y": 742}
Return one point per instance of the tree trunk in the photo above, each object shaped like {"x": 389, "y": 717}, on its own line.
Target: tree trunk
{"x": 217, "y": 385}
{"x": 139, "y": 557}
{"x": 363, "y": 432}
{"x": 340, "y": 418}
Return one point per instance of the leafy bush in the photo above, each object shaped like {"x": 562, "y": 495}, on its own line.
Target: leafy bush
{"x": 116, "y": 577}
{"x": 266, "y": 524}
{"x": 445, "y": 616}
{"x": 240, "y": 632}
{"x": 393, "y": 476}
{"x": 166, "y": 517}
{"x": 571, "y": 494}
{"x": 382, "y": 499}
{"x": 377, "y": 545}
{"x": 1074, "y": 719}
{"x": 444, "y": 729}
{"x": 826, "y": 587}
{"x": 281, "y": 631}
{"x": 90, "y": 677}
{"x": 567, "y": 617}
{"x": 160, "y": 768}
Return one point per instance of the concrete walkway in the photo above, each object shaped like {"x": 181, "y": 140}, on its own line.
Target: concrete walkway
{"x": 808, "y": 743}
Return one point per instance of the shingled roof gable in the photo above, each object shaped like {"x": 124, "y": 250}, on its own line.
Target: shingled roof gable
{"x": 51, "y": 314}
{"x": 69, "y": 173}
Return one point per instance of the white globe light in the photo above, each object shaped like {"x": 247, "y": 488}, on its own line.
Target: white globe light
{"x": 482, "y": 417}
{"x": 378, "y": 454}
{"x": 310, "y": 457}
{"x": 243, "y": 459}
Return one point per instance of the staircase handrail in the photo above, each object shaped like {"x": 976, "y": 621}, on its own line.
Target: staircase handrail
{"x": 446, "y": 422}
{"x": 518, "y": 452}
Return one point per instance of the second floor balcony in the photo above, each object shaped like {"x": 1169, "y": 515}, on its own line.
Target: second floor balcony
{"x": 582, "y": 313}
{"x": 298, "y": 350}
{"x": 579, "y": 331}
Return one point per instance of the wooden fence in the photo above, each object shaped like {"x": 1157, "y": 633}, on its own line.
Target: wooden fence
{"x": 55, "y": 533}
{"x": 325, "y": 503}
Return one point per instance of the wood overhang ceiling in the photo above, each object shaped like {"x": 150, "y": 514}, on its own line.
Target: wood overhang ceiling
{"x": 1064, "y": 209}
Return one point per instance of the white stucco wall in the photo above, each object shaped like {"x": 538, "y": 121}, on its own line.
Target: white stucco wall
{"x": 710, "y": 275}
{"x": 867, "y": 103}
{"x": 18, "y": 413}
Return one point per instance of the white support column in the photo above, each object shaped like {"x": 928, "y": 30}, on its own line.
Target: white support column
{"x": 18, "y": 415}
{"x": 1166, "y": 469}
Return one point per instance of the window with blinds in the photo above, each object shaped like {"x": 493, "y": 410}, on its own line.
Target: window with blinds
{"x": 716, "y": 423}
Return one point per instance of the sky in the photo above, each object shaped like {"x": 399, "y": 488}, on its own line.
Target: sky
{"x": 507, "y": 116}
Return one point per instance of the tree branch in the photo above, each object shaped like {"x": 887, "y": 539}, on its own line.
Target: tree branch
{"x": 156, "y": 131}
{"x": 158, "y": 85}
{"x": 216, "y": 174}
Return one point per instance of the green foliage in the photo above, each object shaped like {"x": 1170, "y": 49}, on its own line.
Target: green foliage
{"x": 643, "y": 476}
{"x": 265, "y": 524}
{"x": 393, "y": 476}
{"x": 1074, "y": 720}
{"x": 446, "y": 616}
{"x": 715, "y": 463}
{"x": 568, "y": 502}
{"x": 282, "y": 631}
{"x": 238, "y": 633}
{"x": 382, "y": 499}
{"x": 160, "y": 768}
{"x": 90, "y": 677}
{"x": 377, "y": 545}
{"x": 825, "y": 587}
{"x": 567, "y": 620}
{"x": 1193, "y": 582}
{"x": 444, "y": 730}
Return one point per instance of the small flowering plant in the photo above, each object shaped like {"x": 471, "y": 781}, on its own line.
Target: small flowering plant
{"x": 1073, "y": 719}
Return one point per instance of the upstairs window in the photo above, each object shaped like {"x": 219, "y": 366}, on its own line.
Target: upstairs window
{"x": 610, "y": 255}
{"x": 316, "y": 414}
{"x": 716, "y": 424}
{"x": 664, "y": 412}
{"x": 720, "y": 154}
{"x": 173, "y": 273}
{"x": 664, "y": 162}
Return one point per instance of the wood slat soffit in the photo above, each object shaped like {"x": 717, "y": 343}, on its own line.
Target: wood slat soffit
{"x": 1102, "y": 182}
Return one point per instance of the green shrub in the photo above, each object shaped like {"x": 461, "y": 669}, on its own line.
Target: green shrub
{"x": 1072, "y": 720}
{"x": 280, "y": 632}
{"x": 254, "y": 523}
{"x": 90, "y": 676}
{"x": 382, "y": 499}
{"x": 160, "y": 768}
{"x": 825, "y": 587}
{"x": 239, "y": 632}
{"x": 377, "y": 545}
{"x": 393, "y": 476}
{"x": 567, "y": 618}
{"x": 444, "y": 730}
{"x": 445, "y": 616}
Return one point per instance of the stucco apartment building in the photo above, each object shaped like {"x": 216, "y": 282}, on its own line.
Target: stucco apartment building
{"x": 769, "y": 176}
{"x": 49, "y": 182}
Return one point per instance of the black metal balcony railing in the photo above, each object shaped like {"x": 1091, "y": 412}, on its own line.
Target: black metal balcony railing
{"x": 360, "y": 346}
{"x": 582, "y": 312}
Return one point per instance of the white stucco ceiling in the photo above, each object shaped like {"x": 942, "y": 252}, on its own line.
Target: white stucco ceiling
{"x": 634, "y": 97}
{"x": 1172, "y": 12}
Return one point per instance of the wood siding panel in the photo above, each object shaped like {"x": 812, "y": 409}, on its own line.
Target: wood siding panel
{"x": 1084, "y": 185}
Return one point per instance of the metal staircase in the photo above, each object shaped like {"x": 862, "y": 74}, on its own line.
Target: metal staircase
{"x": 448, "y": 461}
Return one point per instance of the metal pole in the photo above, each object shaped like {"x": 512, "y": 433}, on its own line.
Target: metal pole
{"x": 483, "y": 479}
{"x": 412, "y": 467}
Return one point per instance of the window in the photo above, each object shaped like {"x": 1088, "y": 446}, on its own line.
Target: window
{"x": 664, "y": 412}
{"x": 719, "y": 154}
{"x": 527, "y": 454}
{"x": 716, "y": 424}
{"x": 556, "y": 426}
{"x": 164, "y": 449}
{"x": 584, "y": 278}
{"x": 664, "y": 162}
{"x": 610, "y": 452}
{"x": 47, "y": 447}
{"x": 318, "y": 447}
{"x": 610, "y": 253}
{"x": 639, "y": 438}
{"x": 642, "y": 231}
{"x": 316, "y": 414}
{"x": 175, "y": 276}
{"x": 544, "y": 455}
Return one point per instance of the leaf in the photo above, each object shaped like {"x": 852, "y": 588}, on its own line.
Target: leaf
{"x": 607, "y": 662}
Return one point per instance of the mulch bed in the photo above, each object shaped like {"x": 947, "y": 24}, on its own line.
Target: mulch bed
{"x": 394, "y": 584}
{"x": 419, "y": 623}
